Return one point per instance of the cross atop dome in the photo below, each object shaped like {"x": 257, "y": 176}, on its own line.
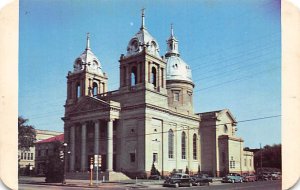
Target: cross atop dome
{"x": 172, "y": 44}
{"x": 87, "y": 41}
{"x": 143, "y": 40}
{"x": 143, "y": 19}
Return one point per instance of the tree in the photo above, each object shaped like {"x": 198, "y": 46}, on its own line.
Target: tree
{"x": 154, "y": 171}
{"x": 54, "y": 165}
{"x": 187, "y": 171}
{"x": 26, "y": 134}
{"x": 270, "y": 156}
{"x": 199, "y": 171}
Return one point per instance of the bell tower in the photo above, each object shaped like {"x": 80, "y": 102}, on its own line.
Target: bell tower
{"x": 87, "y": 77}
{"x": 179, "y": 79}
{"x": 142, "y": 68}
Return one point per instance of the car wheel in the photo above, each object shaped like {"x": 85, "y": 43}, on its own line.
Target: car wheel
{"x": 176, "y": 185}
{"x": 232, "y": 181}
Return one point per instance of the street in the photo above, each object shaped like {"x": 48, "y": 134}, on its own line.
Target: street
{"x": 263, "y": 185}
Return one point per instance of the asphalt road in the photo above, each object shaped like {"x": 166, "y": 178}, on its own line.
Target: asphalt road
{"x": 259, "y": 185}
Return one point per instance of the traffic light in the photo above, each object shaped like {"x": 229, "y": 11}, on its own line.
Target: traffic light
{"x": 61, "y": 155}
{"x": 92, "y": 161}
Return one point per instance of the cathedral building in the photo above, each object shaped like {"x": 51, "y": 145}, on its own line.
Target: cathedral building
{"x": 149, "y": 119}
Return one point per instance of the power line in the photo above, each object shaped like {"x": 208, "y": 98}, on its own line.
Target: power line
{"x": 212, "y": 86}
{"x": 190, "y": 128}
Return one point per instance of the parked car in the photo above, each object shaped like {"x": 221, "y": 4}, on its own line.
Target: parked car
{"x": 249, "y": 178}
{"x": 154, "y": 177}
{"x": 264, "y": 176}
{"x": 275, "y": 176}
{"x": 177, "y": 180}
{"x": 201, "y": 179}
{"x": 232, "y": 178}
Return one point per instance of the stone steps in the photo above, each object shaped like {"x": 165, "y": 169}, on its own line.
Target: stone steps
{"x": 107, "y": 176}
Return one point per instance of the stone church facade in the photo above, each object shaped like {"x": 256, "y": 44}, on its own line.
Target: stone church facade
{"x": 149, "y": 119}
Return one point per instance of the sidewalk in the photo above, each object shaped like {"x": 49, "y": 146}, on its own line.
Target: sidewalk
{"x": 86, "y": 183}
{"x": 140, "y": 183}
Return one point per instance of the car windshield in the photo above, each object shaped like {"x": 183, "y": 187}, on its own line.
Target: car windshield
{"x": 176, "y": 176}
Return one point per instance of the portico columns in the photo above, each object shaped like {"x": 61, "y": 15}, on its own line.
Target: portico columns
{"x": 109, "y": 159}
{"x": 72, "y": 146}
{"x": 83, "y": 147}
{"x": 96, "y": 140}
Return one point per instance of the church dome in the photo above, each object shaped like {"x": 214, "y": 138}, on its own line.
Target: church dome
{"x": 88, "y": 60}
{"x": 177, "y": 69}
{"x": 142, "y": 39}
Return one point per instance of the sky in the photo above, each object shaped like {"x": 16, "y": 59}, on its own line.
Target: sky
{"x": 233, "y": 48}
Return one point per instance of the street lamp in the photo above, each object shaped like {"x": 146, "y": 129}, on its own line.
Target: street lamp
{"x": 64, "y": 163}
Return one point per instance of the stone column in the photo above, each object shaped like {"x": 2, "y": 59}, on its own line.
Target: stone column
{"x": 96, "y": 140}
{"x": 83, "y": 147}
{"x": 109, "y": 157}
{"x": 72, "y": 147}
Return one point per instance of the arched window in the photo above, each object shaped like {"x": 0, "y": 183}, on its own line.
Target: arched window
{"x": 95, "y": 89}
{"x": 133, "y": 76}
{"x": 153, "y": 76}
{"x": 195, "y": 147}
{"x": 171, "y": 143}
{"x": 225, "y": 128}
{"x": 78, "y": 90}
{"x": 183, "y": 145}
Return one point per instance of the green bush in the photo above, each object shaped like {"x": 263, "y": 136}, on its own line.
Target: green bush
{"x": 54, "y": 166}
{"x": 154, "y": 171}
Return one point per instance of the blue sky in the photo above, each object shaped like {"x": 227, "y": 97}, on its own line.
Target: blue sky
{"x": 232, "y": 47}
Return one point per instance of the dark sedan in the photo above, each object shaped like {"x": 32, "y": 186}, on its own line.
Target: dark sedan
{"x": 200, "y": 180}
{"x": 177, "y": 180}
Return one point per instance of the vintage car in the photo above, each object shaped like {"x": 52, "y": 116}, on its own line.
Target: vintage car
{"x": 249, "y": 178}
{"x": 276, "y": 176}
{"x": 232, "y": 178}
{"x": 201, "y": 179}
{"x": 177, "y": 180}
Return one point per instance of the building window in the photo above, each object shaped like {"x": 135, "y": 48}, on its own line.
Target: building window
{"x": 22, "y": 155}
{"x": 250, "y": 162}
{"x": 171, "y": 143}
{"x": 183, "y": 145}
{"x": 133, "y": 76}
{"x": 153, "y": 76}
{"x": 31, "y": 156}
{"x": 124, "y": 76}
{"x": 78, "y": 93}
{"x": 195, "y": 147}
{"x": 155, "y": 157}
{"x": 225, "y": 128}
{"x": 95, "y": 89}
{"x": 232, "y": 163}
{"x": 132, "y": 157}
{"x": 162, "y": 77}
{"x": 176, "y": 96}
{"x": 245, "y": 161}
{"x": 39, "y": 152}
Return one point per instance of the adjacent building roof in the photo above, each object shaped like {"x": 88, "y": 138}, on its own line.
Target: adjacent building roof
{"x": 217, "y": 114}
{"x": 52, "y": 139}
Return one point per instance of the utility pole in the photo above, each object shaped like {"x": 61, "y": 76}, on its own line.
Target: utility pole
{"x": 64, "y": 162}
{"x": 260, "y": 158}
